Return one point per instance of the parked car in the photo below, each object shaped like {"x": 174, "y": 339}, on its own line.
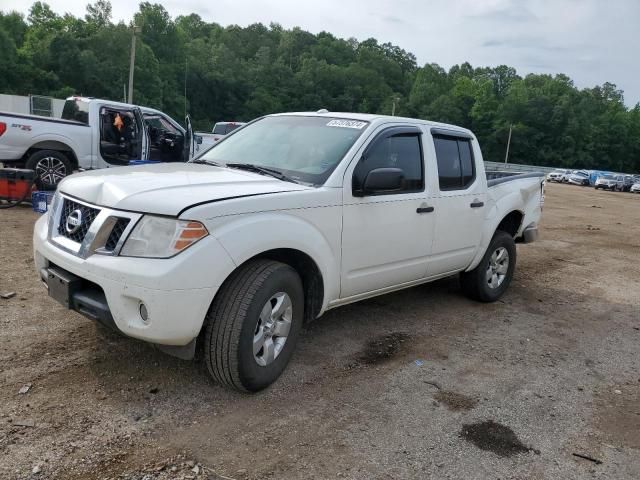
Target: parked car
{"x": 635, "y": 188}
{"x": 91, "y": 134}
{"x": 606, "y": 182}
{"x": 579, "y": 178}
{"x": 291, "y": 216}
{"x": 558, "y": 175}
{"x": 222, "y": 129}
{"x": 595, "y": 174}
{"x": 624, "y": 183}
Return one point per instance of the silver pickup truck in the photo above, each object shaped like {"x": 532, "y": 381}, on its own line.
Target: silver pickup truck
{"x": 92, "y": 134}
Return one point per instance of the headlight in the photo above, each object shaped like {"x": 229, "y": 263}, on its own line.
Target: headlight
{"x": 161, "y": 237}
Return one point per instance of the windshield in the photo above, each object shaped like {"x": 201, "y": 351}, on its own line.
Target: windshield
{"x": 75, "y": 109}
{"x": 608, "y": 177}
{"x": 306, "y": 149}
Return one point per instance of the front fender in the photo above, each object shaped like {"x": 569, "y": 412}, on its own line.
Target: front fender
{"x": 248, "y": 235}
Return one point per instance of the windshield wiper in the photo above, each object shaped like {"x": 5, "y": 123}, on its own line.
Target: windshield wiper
{"x": 202, "y": 161}
{"x": 272, "y": 172}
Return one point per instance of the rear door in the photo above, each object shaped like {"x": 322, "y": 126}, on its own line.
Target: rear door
{"x": 386, "y": 236}
{"x": 460, "y": 207}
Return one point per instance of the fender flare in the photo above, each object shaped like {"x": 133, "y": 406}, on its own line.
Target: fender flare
{"x": 60, "y": 139}
{"x": 238, "y": 238}
{"x": 498, "y": 212}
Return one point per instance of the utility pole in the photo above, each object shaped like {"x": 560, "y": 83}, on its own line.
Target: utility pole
{"x": 132, "y": 64}
{"x": 186, "y": 66}
{"x": 506, "y": 157}
{"x": 393, "y": 108}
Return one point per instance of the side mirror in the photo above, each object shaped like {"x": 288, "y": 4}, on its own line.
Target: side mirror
{"x": 382, "y": 180}
{"x": 198, "y": 139}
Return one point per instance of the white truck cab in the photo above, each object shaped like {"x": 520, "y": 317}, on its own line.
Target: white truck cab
{"x": 292, "y": 215}
{"x": 92, "y": 134}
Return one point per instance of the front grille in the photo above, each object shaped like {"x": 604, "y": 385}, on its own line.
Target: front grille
{"x": 116, "y": 232}
{"x": 87, "y": 216}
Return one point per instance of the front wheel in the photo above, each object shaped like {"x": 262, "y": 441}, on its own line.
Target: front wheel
{"x": 491, "y": 278}
{"x": 253, "y": 325}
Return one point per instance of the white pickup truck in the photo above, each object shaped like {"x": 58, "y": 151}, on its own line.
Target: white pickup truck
{"x": 292, "y": 215}
{"x": 91, "y": 134}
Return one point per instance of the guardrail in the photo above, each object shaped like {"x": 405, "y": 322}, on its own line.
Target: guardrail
{"x": 500, "y": 166}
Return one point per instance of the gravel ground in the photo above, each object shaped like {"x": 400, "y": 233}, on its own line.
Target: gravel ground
{"x": 421, "y": 383}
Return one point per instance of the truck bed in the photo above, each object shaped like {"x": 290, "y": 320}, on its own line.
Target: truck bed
{"x": 497, "y": 177}
{"x": 40, "y": 118}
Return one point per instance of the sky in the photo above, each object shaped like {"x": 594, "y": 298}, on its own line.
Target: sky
{"x": 591, "y": 41}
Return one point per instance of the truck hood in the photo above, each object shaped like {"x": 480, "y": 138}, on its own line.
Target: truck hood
{"x": 168, "y": 188}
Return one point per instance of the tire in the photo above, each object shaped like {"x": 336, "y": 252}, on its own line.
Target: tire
{"x": 50, "y": 166}
{"x": 476, "y": 284}
{"x": 234, "y": 324}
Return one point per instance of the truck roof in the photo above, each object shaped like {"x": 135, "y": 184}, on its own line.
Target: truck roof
{"x": 377, "y": 118}
{"x": 111, "y": 102}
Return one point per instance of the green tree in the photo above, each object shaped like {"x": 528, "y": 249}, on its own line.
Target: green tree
{"x": 239, "y": 73}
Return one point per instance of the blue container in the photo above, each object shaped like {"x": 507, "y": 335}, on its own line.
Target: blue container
{"x": 142, "y": 162}
{"x": 40, "y": 201}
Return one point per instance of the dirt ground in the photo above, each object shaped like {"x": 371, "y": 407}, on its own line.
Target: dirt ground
{"x": 421, "y": 383}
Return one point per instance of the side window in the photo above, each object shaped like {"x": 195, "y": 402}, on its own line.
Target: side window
{"x": 466, "y": 160}
{"x": 456, "y": 168}
{"x": 403, "y": 151}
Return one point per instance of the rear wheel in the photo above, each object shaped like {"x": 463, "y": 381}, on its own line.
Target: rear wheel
{"x": 491, "y": 278}
{"x": 253, "y": 325}
{"x": 50, "y": 166}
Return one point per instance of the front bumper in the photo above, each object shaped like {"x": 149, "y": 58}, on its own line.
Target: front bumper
{"x": 176, "y": 292}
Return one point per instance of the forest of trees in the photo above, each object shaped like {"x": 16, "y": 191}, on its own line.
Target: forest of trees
{"x": 236, "y": 73}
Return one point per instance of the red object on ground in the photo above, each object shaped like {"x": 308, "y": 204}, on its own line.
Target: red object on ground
{"x": 15, "y": 183}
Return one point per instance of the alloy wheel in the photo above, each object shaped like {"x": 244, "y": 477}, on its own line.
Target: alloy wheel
{"x": 50, "y": 170}
{"x": 497, "y": 268}
{"x": 272, "y": 329}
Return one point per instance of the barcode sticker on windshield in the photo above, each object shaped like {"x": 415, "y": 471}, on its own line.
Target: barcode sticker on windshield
{"x": 347, "y": 124}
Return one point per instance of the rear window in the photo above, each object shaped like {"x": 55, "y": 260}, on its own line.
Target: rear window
{"x": 76, "y": 110}
{"x": 224, "y": 128}
{"x": 219, "y": 129}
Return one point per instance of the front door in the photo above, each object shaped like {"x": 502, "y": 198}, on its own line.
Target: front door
{"x": 460, "y": 206}
{"x": 166, "y": 140}
{"x": 387, "y": 235}
{"x": 121, "y": 132}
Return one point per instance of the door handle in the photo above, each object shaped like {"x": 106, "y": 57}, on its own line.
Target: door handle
{"x": 425, "y": 209}
{"x": 477, "y": 204}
